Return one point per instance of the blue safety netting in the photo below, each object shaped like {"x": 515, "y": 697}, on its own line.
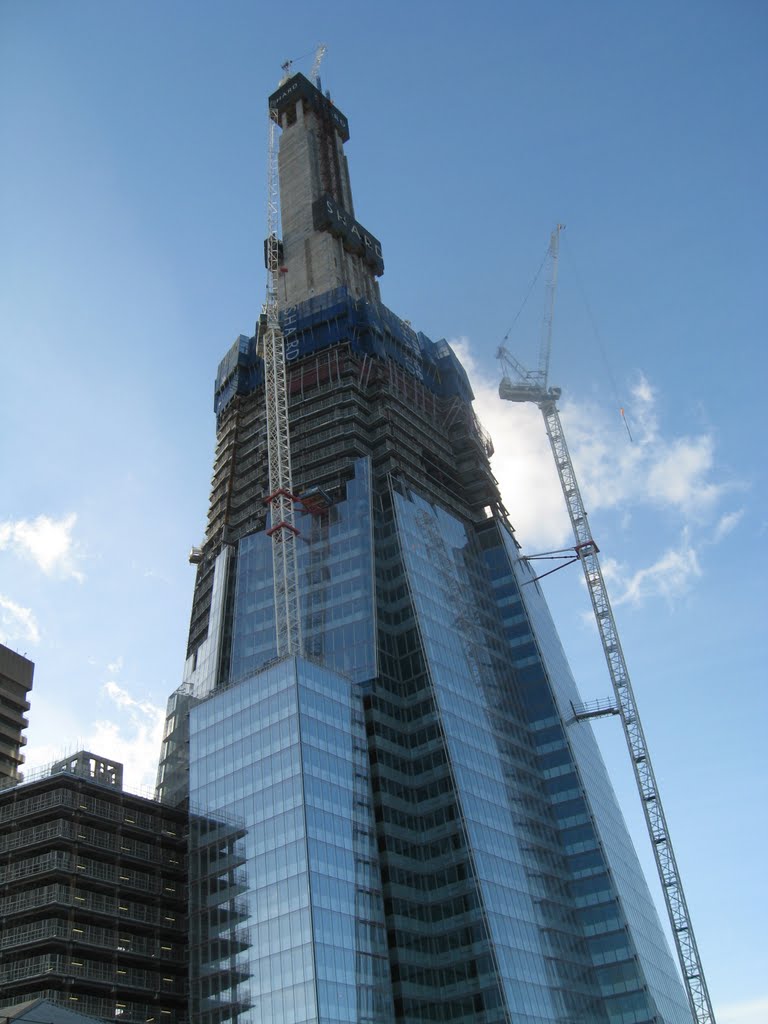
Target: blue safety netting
{"x": 370, "y": 329}
{"x": 240, "y": 372}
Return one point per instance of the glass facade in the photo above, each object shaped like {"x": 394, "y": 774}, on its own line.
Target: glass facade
{"x": 285, "y": 751}
{"x": 335, "y": 561}
{"x": 558, "y": 918}
{"x": 426, "y": 837}
{"x": 427, "y": 834}
{"x": 641, "y": 930}
{"x": 218, "y": 971}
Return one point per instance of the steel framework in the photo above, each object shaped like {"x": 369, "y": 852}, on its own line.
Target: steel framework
{"x": 532, "y": 387}
{"x": 666, "y": 864}
{"x": 282, "y": 528}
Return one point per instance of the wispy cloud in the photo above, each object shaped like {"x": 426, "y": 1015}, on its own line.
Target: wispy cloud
{"x": 153, "y": 574}
{"x": 673, "y": 474}
{"x": 671, "y": 575}
{"x": 132, "y": 735}
{"x": 17, "y": 623}
{"x": 47, "y": 542}
{"x": 678, "y": 474}
{"x": 753, "y": 1011}
{"x": 128, "y": 730}
{"x": 522, "y": 461}
{"x": 726, "y": 524}
{"x": 115, "y": 724}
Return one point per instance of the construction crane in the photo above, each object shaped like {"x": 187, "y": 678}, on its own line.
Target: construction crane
{"x": 521, "y": 385}
{"x": 282, "y": 528}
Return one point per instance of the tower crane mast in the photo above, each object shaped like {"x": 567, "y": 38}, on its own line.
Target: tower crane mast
{"x": 520, "y": 385}
{"x": 282, "y": 528}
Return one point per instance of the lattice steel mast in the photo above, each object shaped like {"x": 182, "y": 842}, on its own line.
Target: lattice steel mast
{"x": 282, "y": 528}
{"x": 532, "y": 387}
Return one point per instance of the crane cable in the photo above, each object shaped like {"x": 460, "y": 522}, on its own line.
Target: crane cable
{"x": 290, "y": 61}
{"x": 531, "y": 286}
{"x": 598, "y": 338}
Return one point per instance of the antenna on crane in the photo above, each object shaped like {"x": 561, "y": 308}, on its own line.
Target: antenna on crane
{"x": 282, "y": 528}
{"x": 521, "y": 385}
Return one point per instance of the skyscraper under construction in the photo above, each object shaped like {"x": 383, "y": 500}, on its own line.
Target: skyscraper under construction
{"x": 431, "y": 836}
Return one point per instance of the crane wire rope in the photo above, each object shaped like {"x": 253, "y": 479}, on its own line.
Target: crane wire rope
{"x": 527, "y": 296}
{"x": 601, "y": 348}
{"x": 290, "y": 61}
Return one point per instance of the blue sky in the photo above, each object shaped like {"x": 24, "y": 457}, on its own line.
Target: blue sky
{"x": 132, "y": 198}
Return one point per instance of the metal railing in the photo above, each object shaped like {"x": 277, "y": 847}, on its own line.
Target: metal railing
{"x": 93, "y": 903}
{"x": 74, "y": 966}
{"x": 81, "y": 934}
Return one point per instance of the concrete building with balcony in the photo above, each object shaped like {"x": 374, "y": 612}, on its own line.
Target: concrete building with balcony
{"x": 16, "y": 674}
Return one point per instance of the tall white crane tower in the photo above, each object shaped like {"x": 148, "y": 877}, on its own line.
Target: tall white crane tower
{"x": 521, "y": 385}
{"x": 282, "y": 528}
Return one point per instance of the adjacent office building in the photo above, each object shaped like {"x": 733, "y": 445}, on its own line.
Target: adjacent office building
{"x": 16, "y": 674}
{"x": 430, "y": 836}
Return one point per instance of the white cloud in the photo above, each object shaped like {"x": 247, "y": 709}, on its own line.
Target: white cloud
{"x": 669, "y": 576}
{"x": 153, "y": 574}
{"x": 671, "y": 474}
{"x": 17, "y": 623}
{"x": 115, "y": 666}
{"x": 48, "y": 542}
{"x": 755, "y": 1011}
{"x": 677, "y": 475}
{"x": 132, "y": 737}
{"x": 644, "y": 417}
{"x": 726, "y": 524}
{"x": 522, "y": 462}
{"x": 644, "y": 395}
{"x": 667, "y": 473}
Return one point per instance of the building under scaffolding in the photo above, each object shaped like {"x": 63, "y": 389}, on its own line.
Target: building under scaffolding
{"x": 93, "y": 895}
{"x": 117, "y": 906}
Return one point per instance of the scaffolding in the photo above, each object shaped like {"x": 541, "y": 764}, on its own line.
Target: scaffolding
{"x": 93, "y": 895}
